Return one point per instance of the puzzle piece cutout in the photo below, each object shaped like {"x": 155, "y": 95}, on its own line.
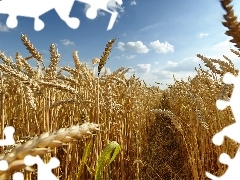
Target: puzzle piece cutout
{"x": 231, "y": 131}
{"x": 18, "y": 176}
{"x": 103, "y": 5}
{"x": 3, "y": 165}
{"x": 36, "y": 8}
{"x": 44, "y": 170}
{"x": 9, "y": 140}
{"x": 232, "y": 172}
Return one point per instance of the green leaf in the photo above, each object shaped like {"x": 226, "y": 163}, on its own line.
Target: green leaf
{"x": 105, "y": 156}
{"x": 86, "y": 153}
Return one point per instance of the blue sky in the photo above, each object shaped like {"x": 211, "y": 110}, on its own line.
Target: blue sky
{"x": 156, "y": 38}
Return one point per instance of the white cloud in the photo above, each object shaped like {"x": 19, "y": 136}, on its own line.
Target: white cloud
{"x": 162, "y": 74}
{"x": 201, "y": 35}
{"x": 223, "y": 48}
{"x": 67, "y": 42}
{"x": 114, "y": 6}
{"x": 133, "y": 2}
{"x": 172, "y": 64}
{"x": 137, "y": 46}
{"x": 161, "y": 47}
{"x": 181, "y": 70}
{"x": 156, "y": 63}
{"x": 3, "y": 28}
{"x": 185, "y": 65}
{"x": 116, "y": 57}
{"x": 143, "y": 68}
{"x": 130, "y": 57}
{"x": 101, "y": 13}
{"x": 225, "y": 45}
{"x": 166, "y": 77}
{"x": 123, "y": 56}
{"x": 121, "y": 46}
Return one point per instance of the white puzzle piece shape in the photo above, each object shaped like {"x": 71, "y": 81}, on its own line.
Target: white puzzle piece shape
{"x": 36, "y": 8}
{"x": 9, "y": 140}
{"x": 44, "y": 170}
{"x": 232, "y": 131}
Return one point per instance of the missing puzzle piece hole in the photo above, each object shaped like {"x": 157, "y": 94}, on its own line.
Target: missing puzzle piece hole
{"x": 225, "y": 159}
{"x": 12, "y": 22}
{"x": 18, "y": 176}
{"x": 54, "y": 162}
{"x": 221, "y": 104}
{"x": 91, "y": 13}
{"x": 228, "y": 78}
{"x": 28, "y": 160}
{"x": 38, "y": 24}
{"x": 3, "y": 165}
{"x": 218, "y": 139}
{"x": 73, "y": 23}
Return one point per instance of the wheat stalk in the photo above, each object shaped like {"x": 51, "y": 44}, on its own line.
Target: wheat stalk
{"x": 44, "y": 143}
{"x": 105, "y": 55}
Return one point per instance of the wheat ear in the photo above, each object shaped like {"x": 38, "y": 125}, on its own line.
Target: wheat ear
{"x": 231, "y": 23}
{"x": 44, "y": 143}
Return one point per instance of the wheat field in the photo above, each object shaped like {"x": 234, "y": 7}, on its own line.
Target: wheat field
{"x": 160, "y": 134}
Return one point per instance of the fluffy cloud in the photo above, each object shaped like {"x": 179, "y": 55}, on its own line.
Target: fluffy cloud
{"x": 162, "y": 74}
{"x": 123, "y": 56}
{"x": 225, "y": 45}
{"x": 166, "y": 77}
{"x": 137, "y": 46}
{"x": 130, "y": 57}
{"x": 121, "y": 46}
{"x": 143, "y": 68}
{"x": 187, "y": 64}
{"x": 67, "y": 42}
{"x": 3, "y": 28}
{"x": 133, "y": 2}
{"x": 161, "y": 47}
{"x": 181, "y": 69}
{"x": 201, "y": 35}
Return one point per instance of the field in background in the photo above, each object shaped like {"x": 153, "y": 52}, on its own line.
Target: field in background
{"x": 162, "y": 134}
